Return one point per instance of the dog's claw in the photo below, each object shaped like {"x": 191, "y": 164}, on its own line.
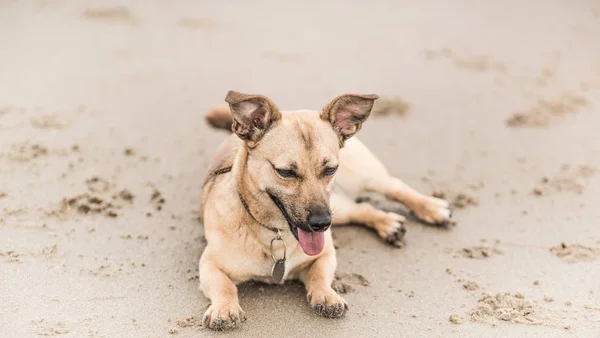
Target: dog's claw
{"x": 434, "y": 211}
{"x": 223, "y": 318}
{"x": 329, "y": 304}
{"x": 392, "y": 229}
{"x": 332, "y": 311}
{"x": 449, "y": 221}
{"x": 234, "y": 319}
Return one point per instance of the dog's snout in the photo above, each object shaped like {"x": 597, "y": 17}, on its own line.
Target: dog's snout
{"x": 319, "y": 221}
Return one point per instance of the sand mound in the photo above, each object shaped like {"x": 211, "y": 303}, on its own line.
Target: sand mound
{"x": 346, "y": 283}
{"x": 477, "y": 252}
{"x": 390, "y": 106}
{"x": 505, "y": 307}
{"x": 570, "y": 179}
{"x": 547, "y": 110}
{"x": 100, "y": 198}
{"x": 457, "y": 200}
{"x": 575, "y": 253}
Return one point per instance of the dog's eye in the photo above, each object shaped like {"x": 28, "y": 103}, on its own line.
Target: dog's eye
{"x": 329, "y": 171}
{"x": 286, "y": 172}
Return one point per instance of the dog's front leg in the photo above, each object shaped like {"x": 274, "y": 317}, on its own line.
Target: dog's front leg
{"x": 225, "y": 311}
{"x": 317, "y": 279}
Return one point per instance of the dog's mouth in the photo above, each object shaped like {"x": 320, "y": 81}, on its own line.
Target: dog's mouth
{"x": 312, "y": 242}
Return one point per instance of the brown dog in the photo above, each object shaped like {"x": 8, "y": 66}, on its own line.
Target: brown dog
{"x": 268, "y": 198}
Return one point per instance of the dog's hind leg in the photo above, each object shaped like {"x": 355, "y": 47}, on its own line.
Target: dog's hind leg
{"x": 427, "y": 208}
{"x": 361, "y": 171}
{"x": 388, "y": 225}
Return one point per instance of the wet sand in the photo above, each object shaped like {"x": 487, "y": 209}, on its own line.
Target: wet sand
{"x": 103, "y": 147}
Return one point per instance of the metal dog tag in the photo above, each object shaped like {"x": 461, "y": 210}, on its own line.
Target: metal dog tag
{"x": 278, "y": 271}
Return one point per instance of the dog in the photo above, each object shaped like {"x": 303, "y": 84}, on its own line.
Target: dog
{"x": 273, "y": 189}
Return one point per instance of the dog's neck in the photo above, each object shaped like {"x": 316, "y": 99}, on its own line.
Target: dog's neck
{"x": 245, "y": 205}
{"x": 250, "y": 203}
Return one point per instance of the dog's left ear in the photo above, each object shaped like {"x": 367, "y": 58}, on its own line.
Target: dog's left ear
{"x": 346, "y": 113}
{"x": 252, "y": 116}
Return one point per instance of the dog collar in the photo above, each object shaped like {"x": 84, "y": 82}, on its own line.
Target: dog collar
{"x": 225, "y": 170}
{"x": 254, "y": 218}
{"x": 278, "y": 268}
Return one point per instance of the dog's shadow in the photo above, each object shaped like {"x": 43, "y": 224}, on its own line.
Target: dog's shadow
{"x": 266, "y": 303}
{"x": 277, "y": 296}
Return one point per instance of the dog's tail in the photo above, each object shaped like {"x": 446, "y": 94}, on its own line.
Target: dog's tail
{"x": 220, "y": 117}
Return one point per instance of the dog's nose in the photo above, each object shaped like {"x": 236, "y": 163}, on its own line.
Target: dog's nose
{"x": 319, "y": 221}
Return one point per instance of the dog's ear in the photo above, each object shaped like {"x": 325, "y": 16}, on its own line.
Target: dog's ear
{"x": 252, "y": 115}
{"x": 346, "y": 113}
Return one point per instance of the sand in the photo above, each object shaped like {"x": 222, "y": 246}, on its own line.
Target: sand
{"x": 103, "y": 146}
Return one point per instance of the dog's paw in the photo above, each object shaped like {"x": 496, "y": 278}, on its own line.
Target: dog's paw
{"x": 434, "y": 211}
{"x": 391, "y": 228}
{"x": 223, "y": 317}
{"x": 327, "y": 303}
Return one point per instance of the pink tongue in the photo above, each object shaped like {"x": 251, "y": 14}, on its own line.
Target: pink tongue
{"x": 311, "y": 242}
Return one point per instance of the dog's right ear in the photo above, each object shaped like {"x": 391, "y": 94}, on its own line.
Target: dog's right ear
{"x": 252, "y": 116}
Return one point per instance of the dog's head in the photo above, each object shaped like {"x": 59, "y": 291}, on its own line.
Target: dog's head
{"x": 292, "y": 158}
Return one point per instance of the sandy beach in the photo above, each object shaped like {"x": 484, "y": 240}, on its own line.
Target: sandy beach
{"x": 103, "y": 148}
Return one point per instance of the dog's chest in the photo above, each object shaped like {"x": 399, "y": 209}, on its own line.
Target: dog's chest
{"x": 268, "y": 268}
{"x": 260, "y": 267}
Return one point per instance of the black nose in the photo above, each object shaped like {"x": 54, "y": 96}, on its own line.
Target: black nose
{"x": 319, "y": 221}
